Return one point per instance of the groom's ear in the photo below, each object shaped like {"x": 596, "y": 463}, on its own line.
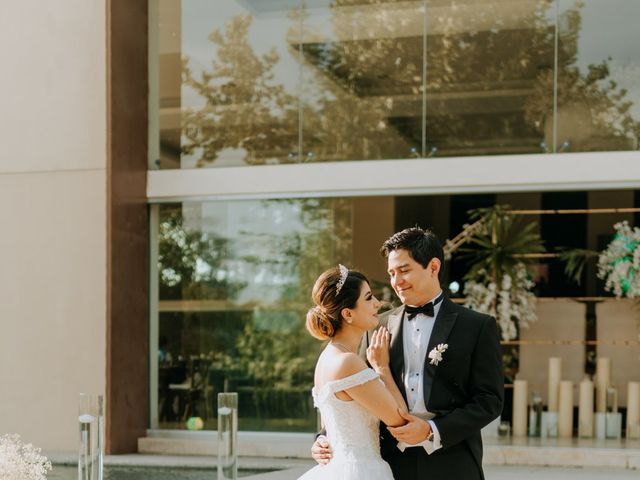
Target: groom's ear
{"x": 434, "y": 267}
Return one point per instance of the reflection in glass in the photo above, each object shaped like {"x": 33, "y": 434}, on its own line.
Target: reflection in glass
{"x": 253, "y": 82}
{"x": 228, "y": 83}
{"x": 598, "y": 75}
{"x": 362, "y": 80}
{"x": 486, "y": 69}
{"x": 235, "y": 281}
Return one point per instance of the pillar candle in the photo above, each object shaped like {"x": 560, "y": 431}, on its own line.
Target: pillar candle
{"x": 565, "y": 409}
{"x": 603, "y": 381}
{"x": 519, "y": 408}
{"x": 585, "y": 409}
{"x": 633, "y": 410}
{"x": 555, "y": 373}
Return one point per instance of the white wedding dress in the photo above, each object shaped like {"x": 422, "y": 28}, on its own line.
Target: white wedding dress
{"x": 353, "y": 434}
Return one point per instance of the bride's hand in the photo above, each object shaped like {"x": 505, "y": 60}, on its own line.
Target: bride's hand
{"x": 378, "y": 349}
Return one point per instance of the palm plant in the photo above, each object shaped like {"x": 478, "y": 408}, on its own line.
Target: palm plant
{"x": 501, "y": 252}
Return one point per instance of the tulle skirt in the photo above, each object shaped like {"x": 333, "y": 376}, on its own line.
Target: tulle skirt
{"x": 342, "y": 469}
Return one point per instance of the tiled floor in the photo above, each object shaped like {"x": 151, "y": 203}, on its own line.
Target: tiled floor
{"x": 505, "y": 473}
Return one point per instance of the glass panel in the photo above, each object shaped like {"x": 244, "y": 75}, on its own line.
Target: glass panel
{"x": 489, "y": 76}
{"x": 362, "y": 78}
{"x": 235, "y": 280}
{"x": 598, "y": 75}
{"x": 228, "y": 83}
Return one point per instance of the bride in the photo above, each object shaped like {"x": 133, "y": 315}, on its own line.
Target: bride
{"x": 351, "y": 397}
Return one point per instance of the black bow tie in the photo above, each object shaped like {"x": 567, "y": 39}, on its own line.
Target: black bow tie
{"x": 426, "y": 309}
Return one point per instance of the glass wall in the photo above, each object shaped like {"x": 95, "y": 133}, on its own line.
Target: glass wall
{"x": 598, "y": 75}
{"x": 235, "y": 278}
{"x": 234, "y": 282}
{"x": 252, "y": 82}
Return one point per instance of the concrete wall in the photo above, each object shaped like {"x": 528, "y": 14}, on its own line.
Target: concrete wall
{"x": 53, "y": 216}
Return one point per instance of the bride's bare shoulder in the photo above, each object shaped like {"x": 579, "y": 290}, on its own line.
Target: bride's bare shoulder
{"x": 336, "y": 365}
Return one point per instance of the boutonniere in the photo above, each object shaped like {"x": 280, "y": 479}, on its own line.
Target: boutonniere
{"x": 436, "y": 354}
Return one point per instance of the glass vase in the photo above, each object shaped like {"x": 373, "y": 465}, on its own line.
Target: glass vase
{"x": 227, "y": 436}
{"x": 91, "y": 425}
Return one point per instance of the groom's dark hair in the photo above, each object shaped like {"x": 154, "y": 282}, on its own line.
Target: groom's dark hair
{"x": 421, "y": 244}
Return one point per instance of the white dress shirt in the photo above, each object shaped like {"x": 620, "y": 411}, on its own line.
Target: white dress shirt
{"x": 415, "y": 340}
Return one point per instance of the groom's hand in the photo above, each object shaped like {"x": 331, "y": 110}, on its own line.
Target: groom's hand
{"x": 413, "y": 432}
{"x": 321, "y": 450}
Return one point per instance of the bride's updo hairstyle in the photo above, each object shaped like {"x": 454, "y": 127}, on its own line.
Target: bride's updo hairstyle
{"x": 330, "y": 297}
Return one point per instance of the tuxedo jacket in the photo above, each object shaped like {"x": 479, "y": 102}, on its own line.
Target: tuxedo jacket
{"x": 465, "y": 392}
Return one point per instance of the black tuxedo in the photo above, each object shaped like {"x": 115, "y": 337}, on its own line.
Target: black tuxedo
{"x": 464, "y": 391}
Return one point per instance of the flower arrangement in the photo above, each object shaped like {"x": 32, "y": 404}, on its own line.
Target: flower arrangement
{"x": 20, "y": 461}
{"x": 501, "y": 250}
{"x": 513, "y": 302}
{"x": 619, "y": 263}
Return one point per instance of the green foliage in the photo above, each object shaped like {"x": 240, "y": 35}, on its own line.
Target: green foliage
{"x": 189, "y": 261}
{"x": 575, "y": 261}
{"x": 503, "y": 242}
{"x": 277, "y": 358}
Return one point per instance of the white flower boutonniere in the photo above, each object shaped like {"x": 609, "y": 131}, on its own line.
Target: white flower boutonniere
{"x": 436, "y": 354}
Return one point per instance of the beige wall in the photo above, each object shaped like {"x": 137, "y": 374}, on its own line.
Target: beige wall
{"x": 563, "y": 319}
{"x": 53, "y": 212}
{"x": 560, "y": 319}
{"x": 374, "y": 222}
{"x": 618, "y": 321}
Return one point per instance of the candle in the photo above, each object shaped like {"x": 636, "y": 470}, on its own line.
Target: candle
{"x": 565, "y": 409}
{"x": 555, "y": 373}
{"x": 603, "y": 381}
{"x": 633, "y": 410}
{"x": 612, "y": 400}
{"x": 519, "y": 408}
{"x": 585, "y": 409}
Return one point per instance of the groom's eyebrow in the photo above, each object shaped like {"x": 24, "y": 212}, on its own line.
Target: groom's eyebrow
{"x": 399, "y": 267}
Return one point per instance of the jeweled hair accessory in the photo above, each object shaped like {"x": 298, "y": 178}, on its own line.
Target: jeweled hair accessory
{"x": 344, "y": 272}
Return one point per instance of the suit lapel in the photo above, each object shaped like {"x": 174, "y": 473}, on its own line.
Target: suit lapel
{"x": 445, "y": 321}
{"x": 396, "y": 348}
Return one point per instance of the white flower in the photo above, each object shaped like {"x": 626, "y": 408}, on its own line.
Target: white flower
{"x": 513, "y": 304}
{"x": 436, "y": 354}
{"x": 19, "y": 461}
{"x": 619, "y": 264}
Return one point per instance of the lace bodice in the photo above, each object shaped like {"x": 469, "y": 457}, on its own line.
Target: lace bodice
{"x": 352, "y": 431}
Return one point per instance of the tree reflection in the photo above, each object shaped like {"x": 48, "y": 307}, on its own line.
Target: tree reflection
{"x": 244, "y": 108}
{"x": 191, "y": 263}
{"x": 593, "y": 111}
{"x": 249, "y": 287}
{"x": 489, "y": 86}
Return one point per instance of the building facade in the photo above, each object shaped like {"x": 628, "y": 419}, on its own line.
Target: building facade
{"x": 213, "y": 157}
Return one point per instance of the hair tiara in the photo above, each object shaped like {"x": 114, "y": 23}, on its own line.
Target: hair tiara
{"x": 344, "y": 272}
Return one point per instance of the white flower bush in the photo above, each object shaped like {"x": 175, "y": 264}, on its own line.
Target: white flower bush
{"x": 619, "y": 263}
{"x": 513, "y": 305}
{"x": 20, "y": 461}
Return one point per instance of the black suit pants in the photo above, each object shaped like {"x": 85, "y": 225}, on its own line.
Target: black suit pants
{"x": 454, "y": 463}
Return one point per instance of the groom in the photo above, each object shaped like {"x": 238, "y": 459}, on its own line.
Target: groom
{"x": 446, "y": 360}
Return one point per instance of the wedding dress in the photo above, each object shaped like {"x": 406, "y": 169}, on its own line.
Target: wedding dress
{"x": 353, "y": 434}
